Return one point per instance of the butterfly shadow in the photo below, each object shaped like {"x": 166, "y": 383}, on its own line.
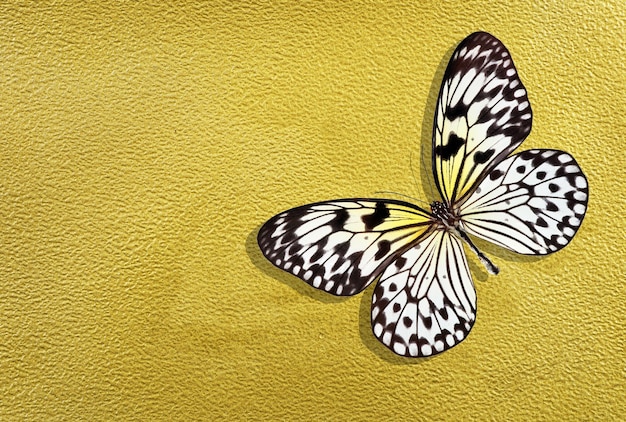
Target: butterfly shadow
{"x": 259, "y": 261}
{"x": 426, "y": 135}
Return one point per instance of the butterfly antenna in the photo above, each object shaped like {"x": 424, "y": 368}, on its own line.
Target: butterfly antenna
{"x": 403, "y": 195}
{"x": 411, "y": 167}
{"x": 430, "y": 183}
{"x": 413, "y": 173}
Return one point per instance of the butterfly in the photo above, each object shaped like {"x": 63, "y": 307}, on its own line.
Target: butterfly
{"x": 531, "y": 202}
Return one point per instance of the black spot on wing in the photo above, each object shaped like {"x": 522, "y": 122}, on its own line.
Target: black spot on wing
{"x": 384, "y": 246}
{"x": 372, "y": 220}
{"x": 454, "y": 112}
{"x": 338, "y": 263}
{"x": 320, "y": 250}
{"x": 295, "y": 248}
{"x": 340, "y": 219}
{"x": 528, "y": 155}
{"x": 400, "y": 262}
{"x": 407, "y": 321}
{"x": 355, "y": 277}
{"x": 444, "y": 313}
{"x": 571, "y": 179}
{"x": 428, "y": 322}
{"x": 538, "y": 160}
{"x": 555, "y": 161}
{"x": 482, "y": 157}
{"x": 342, "y": 249}
{"x": 461, "y": 327}
{"x": 451, "y": 148}
{"x": 495, "y": 174}
{"x": 289, "y": 237}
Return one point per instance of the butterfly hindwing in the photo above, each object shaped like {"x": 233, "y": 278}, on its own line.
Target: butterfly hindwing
{"x": 425, "y": 301}
{"x": 482, "y": 115}
{"x": 341, "y": 246}
{"x": 531, "y": 203}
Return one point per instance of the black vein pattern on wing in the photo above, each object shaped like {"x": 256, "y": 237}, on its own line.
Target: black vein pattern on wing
{"x": 382, "y": 301}
{"x": 479, "y": 156}
{"x": 339, "y": 267}
{"x": 459, "y": 256}
{"x": 496, "y": 64}
{"x": 462, "y": 111}
{"x": 552, "y": 217}
{"x": 408, "y": 314}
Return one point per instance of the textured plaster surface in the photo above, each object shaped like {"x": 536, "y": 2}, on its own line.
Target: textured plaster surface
{"x": 143, "y": 145}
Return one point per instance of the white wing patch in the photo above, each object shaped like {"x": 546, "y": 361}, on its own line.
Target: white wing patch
{"x": 341, "y": 246}
{"x": 425, "y": 301}
{"x": 531, "y": 203}
{"x": 482, "y": 115}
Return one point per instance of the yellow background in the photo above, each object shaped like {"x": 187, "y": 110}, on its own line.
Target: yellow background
{"x": 142, "y": 145}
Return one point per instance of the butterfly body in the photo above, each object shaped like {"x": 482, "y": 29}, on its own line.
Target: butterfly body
{"x": 444, "y": 216}
{"x": 531, "y": 203}
{"x": 450, "y": 220}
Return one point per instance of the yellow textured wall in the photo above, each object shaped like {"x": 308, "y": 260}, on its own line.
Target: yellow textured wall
{"x": 143, "y": 145}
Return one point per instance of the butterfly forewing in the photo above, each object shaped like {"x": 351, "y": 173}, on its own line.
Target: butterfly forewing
{"x": 341, "y": 246}
{"x": 482, "y": 115}
{"x": 425, "y": 301}
{"x": 530, "y": 203}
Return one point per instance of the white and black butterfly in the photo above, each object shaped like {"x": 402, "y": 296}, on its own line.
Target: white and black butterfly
{"x": 532, "y": 202}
